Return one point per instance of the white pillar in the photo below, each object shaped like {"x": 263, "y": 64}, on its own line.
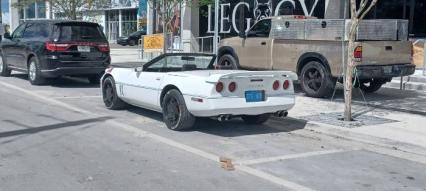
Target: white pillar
{"x": 119, "y": 22}
{"x": 13, "y": 15}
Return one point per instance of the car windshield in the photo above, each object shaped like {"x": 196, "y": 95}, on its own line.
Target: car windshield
{"x": 171, "y": 63}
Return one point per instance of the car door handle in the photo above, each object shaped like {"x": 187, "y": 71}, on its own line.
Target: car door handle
{"x": 157, "y": 78}
{"x": 263, "y": 43}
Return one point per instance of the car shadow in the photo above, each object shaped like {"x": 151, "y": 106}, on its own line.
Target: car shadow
{"x": 62, "y": 82}
{"x": 237, "y": 127}
{"x": 232, "y": 128}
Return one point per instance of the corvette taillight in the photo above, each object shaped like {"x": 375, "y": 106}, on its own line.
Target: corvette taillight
{"x": 286, "y": 84}
{"x": 232, "y": 86}
{"x": 276, "y": 85}
{"x": 219, "y": 87}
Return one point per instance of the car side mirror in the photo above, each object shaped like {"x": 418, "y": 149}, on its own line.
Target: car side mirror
{"x": 7, "y": 35}
{"x": 242, "y": 34}
{"x": 139, "y": 69}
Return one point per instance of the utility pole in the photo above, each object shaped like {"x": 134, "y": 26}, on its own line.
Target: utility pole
{"x": 163, "y": 19}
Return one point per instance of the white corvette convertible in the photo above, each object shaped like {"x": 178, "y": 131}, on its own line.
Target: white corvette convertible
{"x": 184, "y": 86}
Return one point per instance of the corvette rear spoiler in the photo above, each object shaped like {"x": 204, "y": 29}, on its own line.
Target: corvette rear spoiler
{"x": 248, "y": 74}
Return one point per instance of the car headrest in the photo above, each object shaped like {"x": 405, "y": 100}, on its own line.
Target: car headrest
{"x": 189, "y": 67}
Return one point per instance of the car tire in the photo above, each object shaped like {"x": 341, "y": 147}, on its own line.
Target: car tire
{"x": 94, "y": 79}
{"x": 4, "y": 70}
{"x": 34, "y": 73}
{"x": 255, "y": 119}
{"x": 175, "y": 113}
{"x": 132, "y": 42}
{"x": 371, "y": 86}
{"x": 316, "y": 80}
{"x": 227, "y": 62}
{"x": 109, "y": 95}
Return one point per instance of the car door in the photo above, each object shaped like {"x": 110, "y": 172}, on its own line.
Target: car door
{"x": 11, "y": 48}
{"x": 254, "y": 52}
{"x": 143, "y": 87}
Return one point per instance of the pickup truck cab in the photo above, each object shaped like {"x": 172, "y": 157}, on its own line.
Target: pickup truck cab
{"x": 315, "y": 54}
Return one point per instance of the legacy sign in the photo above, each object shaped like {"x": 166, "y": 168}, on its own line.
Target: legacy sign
{"x": 229, "y": 13}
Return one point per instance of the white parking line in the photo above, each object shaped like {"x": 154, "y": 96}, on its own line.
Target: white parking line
{"x": 76, "y": 97}
{"x": 167, "y": 141}
{"x": 290, "y": 156}
{"x": 272, "y": 178}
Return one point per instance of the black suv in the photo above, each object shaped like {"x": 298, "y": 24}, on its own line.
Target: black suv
{"x": 52, "y": 48}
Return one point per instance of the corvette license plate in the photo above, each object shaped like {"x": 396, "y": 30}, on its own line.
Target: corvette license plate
{"x": 83, "y": 48}
{"x": 255, "y": 96}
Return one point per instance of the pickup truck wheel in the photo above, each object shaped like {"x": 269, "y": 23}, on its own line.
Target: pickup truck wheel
{"x": 227, "y": 62}
{"x": 4, "y": 71}
{"x": 109, "y": 95}
{"x": 316, "y": 80}
{"x": 371, "y": 86}
{"x": 255, "y": 119}
{"x": 175, "y": 113}
{"x": 34, "y": 73}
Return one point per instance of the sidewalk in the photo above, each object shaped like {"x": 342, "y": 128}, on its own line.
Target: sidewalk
{"x": 396, "y": 120}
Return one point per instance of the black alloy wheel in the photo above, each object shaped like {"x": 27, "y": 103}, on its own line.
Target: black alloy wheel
{"x": 316, "y": 80}
{"x": 109, "y": 95}
{"x": 175, "y": 113}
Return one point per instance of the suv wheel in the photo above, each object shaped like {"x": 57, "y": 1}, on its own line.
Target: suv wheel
{"x": 316, "y": 80}
{"x": 34, "y": 74}
{"x": 227, "y": 62}
{"x": 4, "y": 70}
{"x": 371, "y": 86}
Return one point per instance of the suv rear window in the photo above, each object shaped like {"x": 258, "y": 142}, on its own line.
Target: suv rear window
{"x": 78, "y": 32}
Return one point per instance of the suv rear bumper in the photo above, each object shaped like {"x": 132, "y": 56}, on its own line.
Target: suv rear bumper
{"x": 81, "y": 71}
{"x": 384, "y": 71}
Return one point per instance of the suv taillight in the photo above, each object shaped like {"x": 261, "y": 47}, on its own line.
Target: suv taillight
{"x": 54, "y": 47}
{"x": 358, "y": 53}
{"x": 103, "y": 47}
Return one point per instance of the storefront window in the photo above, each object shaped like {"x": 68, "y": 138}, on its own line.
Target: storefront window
{"x": 419, "y": 20}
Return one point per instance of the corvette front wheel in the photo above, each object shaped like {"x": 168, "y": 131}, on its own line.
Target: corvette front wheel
{"x": 175, "y": 114}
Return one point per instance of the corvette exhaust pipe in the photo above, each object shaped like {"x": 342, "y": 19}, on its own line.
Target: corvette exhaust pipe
{"x": 224, "y": 118}
{"x": 281, "y": 114}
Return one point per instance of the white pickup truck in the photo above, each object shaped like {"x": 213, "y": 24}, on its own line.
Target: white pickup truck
{"x": 315, "y": 50}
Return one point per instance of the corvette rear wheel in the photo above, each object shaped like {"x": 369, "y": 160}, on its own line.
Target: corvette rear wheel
{"x": 109, "y": 95}
{"x": 175, "y": 113}
{"x": 255, "y": 119}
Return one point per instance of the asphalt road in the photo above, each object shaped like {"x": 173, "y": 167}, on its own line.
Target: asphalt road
{"x": 60, "y": 137}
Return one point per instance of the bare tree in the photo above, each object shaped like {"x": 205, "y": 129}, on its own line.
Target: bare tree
{"x": 358, "y": 13}
{"x": 69, "y": 9}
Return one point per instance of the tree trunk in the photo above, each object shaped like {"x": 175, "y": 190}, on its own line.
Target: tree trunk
{"x": 349, "y": 69}
{"x": 163, "y": 19}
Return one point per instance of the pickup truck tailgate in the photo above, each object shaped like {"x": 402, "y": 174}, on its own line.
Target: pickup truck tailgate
{"x": 386, "y": 52}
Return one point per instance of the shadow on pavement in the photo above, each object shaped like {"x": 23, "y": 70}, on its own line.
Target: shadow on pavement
{"x": 35, "y": 130}
{"x": 237, "y": 127}
{"x": 407, "y": 101}
{"x": 233, "y": 128}
{"x": 63, "y": 82}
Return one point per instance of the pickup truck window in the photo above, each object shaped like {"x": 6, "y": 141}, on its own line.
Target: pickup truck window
{"x": 260, "y": 29}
